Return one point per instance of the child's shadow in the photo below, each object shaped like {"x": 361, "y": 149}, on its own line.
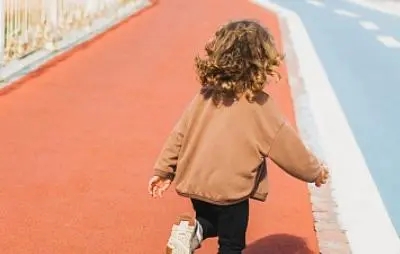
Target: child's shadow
{"x": 279, "y": 244}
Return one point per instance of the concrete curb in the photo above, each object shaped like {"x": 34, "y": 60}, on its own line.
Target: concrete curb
{"x": 16, "y": 70}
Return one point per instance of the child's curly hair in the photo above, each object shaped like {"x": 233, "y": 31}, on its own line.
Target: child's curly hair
{"x": 239, "y": 58}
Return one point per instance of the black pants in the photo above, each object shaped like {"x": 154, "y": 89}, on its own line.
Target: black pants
{"x": 228, "y": 223}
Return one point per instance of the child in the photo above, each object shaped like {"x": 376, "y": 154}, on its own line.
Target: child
{"x": 216, "y": 152}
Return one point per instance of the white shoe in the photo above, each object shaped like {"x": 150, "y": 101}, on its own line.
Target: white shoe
{"x": 186, "y": 236}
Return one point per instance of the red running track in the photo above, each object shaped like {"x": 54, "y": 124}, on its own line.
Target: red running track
{"x": 79, "y": 139}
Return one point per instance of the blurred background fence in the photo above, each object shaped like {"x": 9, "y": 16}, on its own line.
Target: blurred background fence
{"x": 30, "y": 25}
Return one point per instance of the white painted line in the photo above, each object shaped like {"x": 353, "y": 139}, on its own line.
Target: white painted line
{"x": 389, "y": 41}
{"x": 368, "y": 25}
{"x": 315, "y": 3}
{"x": 362, "y": 213}
{"x": 346, "y": 13}
{"x": 387, "y": 7}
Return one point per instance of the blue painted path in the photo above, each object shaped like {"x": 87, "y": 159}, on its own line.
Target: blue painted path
{"x": 365, "y": 75}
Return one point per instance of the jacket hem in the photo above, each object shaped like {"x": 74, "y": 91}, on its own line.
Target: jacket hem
{"x": 258, "y": 197}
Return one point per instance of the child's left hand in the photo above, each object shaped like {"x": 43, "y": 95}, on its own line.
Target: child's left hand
{"x": 158, "y": 185}
{"x": 323, "y": 176}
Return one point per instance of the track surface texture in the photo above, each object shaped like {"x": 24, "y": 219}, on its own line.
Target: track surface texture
{"x": 80, "y": 136}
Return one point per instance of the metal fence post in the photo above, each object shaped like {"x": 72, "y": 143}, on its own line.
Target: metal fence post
{"x": 2, "y": 31}
{"x": 92, "y": 6}
{"x": 90, "y": 12}
{"x": 51, "y": 10}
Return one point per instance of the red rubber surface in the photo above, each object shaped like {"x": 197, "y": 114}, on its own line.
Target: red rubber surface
{"x": 79, "y": 139}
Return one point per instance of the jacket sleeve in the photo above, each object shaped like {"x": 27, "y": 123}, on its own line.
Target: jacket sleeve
{"x": 289, "y": 152}
{"x": 167, "y": 160}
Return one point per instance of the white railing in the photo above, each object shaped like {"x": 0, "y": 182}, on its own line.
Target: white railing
{"x": 29, "y": 25}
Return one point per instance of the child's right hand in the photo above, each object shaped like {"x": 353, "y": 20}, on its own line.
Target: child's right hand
{"x": 158, "y": 185}
{"x": 322, "y": 177}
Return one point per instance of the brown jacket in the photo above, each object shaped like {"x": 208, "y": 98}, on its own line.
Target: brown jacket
{"x": 217, "y": 154}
